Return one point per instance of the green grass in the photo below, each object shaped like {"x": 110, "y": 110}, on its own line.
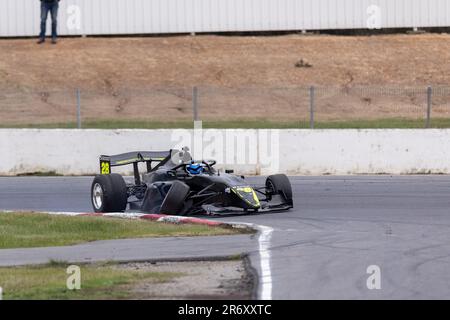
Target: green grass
{"x": 98, "y": 281}
{"x": 26, "y": 230}
{"x": 137, "y": 124}
{"x": 387, "y": 123}
{"x": 391, "y": 123}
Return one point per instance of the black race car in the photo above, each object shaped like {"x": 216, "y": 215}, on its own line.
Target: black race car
{"x": 178, "y": 185}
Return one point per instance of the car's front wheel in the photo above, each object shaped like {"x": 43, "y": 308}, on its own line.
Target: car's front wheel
{"x": 109, "y": 193}
{"x": 279, "y": 184}
{"x": 174, "y": 202}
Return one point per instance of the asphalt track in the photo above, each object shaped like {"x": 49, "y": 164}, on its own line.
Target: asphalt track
{"x": 320, "y": 250}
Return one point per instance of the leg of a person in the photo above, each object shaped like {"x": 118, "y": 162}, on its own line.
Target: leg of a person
{"x": 54, "y": 13}
{"x": 44, "y": 14}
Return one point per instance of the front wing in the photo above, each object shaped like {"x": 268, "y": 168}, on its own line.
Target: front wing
{"x": 276, "y": 204}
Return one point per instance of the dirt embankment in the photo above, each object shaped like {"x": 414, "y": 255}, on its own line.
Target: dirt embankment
{"x": 152, "y": 78}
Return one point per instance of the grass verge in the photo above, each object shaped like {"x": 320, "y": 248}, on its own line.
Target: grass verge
{"x": 387, "y": 123}
{"x": 26, "y": 230}
{"x": 98, "y": 281}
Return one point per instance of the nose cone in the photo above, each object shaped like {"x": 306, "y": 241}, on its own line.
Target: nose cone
{"x": 248, "y": 195}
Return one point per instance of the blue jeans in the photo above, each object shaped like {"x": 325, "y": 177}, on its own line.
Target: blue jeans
{"x": 45, "y": 9}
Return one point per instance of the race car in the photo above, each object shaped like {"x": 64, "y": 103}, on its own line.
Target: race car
{"x": 176, "y": 184}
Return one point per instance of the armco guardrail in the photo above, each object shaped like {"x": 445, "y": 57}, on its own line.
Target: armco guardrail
{"x": 302, "y": 152}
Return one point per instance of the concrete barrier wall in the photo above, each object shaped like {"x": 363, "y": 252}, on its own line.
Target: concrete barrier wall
{"x": 344, "y": 152}
{"x": 302, "y": 152}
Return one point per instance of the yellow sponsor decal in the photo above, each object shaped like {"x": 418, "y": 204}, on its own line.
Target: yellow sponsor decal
{"x": 127, "y": 161}
{"x": 138, "y": 159}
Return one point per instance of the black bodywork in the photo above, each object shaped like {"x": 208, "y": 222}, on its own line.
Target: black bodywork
{"x": 213, "y": 192}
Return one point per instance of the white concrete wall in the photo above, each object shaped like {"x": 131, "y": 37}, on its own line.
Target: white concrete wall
{"x": 303, "y": 152}
{"x": 344, "y": 152}
{"x": 21, "y": 17}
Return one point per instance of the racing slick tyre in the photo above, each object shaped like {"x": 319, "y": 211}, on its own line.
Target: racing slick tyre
{"x": 279, "y": 184}
{"x": 109, "y": 193}
{"x": 174, "y": 202}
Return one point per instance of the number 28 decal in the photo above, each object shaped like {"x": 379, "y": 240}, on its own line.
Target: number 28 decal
{"x": 105, "y": 168}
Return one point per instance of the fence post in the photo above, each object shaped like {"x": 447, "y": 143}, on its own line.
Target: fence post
{"x": 312, "y": 91}
{"x": 78, "y": 109}
{"x": 195, "y": 102}
{"x": 429, "y": 104}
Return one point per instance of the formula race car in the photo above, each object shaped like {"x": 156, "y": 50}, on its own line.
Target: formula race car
{"x": 178, "y": 185}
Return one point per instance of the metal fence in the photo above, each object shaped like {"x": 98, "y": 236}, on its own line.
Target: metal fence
{"x": 293, "y": 107}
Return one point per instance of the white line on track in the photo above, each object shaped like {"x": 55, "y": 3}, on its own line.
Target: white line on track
{"x": 264, "y": 240}
{"x": 264, "y": 254}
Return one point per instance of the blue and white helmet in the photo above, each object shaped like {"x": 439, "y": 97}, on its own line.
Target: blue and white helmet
{"x": 195, "y": 168}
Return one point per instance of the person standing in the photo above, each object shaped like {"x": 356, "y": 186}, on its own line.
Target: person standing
{"x": 47, "y": 6}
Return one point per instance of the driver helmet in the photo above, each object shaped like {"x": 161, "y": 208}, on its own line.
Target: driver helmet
{"x": 195, "y": 168}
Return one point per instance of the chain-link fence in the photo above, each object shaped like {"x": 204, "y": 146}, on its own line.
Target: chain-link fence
{"x": 246, "y": 107}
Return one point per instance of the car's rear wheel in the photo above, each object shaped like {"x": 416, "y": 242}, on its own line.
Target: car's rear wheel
{"x": 109, "y": 193}
{"x": 279, "y": 184}
{"x": 174, "y": 202}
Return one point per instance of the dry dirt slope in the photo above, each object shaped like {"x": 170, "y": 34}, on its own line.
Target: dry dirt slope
{"x": 170, "y": 66}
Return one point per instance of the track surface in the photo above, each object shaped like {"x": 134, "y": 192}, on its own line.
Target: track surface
{"x": 320, "y": 250}
{"x": 150, "y": 249}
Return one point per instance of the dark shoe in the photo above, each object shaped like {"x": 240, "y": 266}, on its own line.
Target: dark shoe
{"x": 41, "y": 41}
{"x": 54, "y": 41}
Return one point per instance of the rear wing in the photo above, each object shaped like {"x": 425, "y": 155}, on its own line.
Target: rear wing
{"x": 149, "y": 157}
